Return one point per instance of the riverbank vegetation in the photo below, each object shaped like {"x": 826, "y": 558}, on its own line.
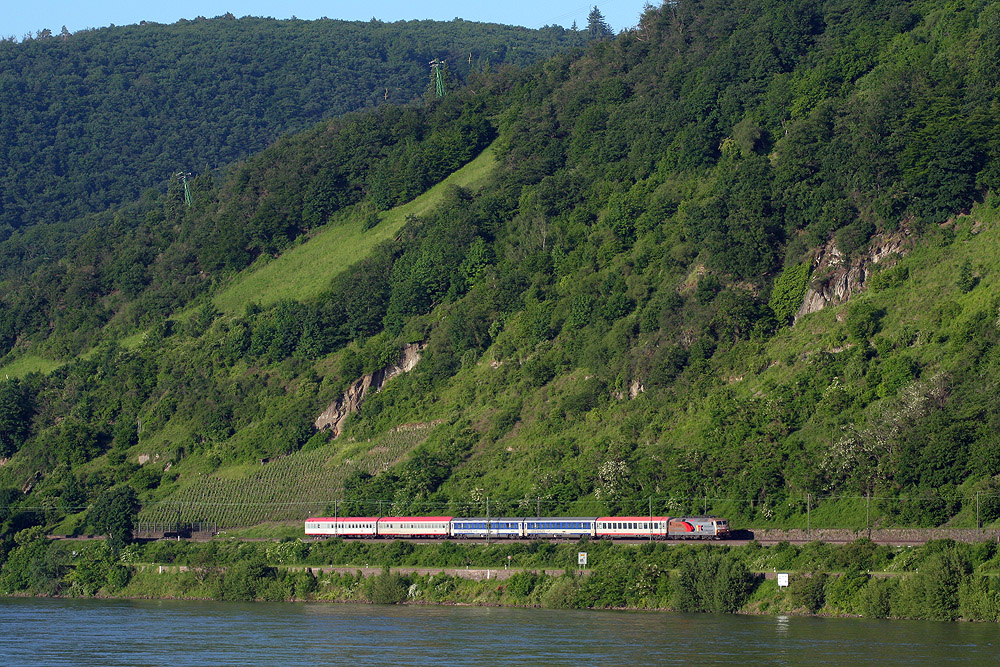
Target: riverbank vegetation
{"x": 941, "y": 580}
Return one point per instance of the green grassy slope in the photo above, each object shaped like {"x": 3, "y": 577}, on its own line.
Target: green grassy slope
{"x": 305, "y": 271}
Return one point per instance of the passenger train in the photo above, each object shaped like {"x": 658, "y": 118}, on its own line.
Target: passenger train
{"x": 447, "y": 527}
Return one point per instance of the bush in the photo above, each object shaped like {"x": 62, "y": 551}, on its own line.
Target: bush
{"x": 386, "y": 588}
{"x": 979, "y": 599}
{"x": 808, "y": 591}
{"x": 562, "y": 594}
{"x": 522, "y": 584}
{"x": 712, "y": 581}
{"x": 844, "y": 591}
{"x": 863, "y": 320}
{"x": 874, "y": 600}
{"x": 789, "y": 290}
{"x": 245, "y": 581}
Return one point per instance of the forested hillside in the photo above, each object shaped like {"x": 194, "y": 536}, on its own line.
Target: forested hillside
{"x": 738, "y": 259}
{"x": 91, "y": 119}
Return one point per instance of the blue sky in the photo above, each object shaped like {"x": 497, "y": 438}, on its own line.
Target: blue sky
{"x": 24, "y": 16}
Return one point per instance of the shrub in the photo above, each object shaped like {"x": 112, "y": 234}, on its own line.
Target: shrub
{"x": 386, "y": 588}
{"x": 875, "y": 598}
{"x": 979, "y": 599}
{"x": 562, "y": 594}
{"x": 789, "y": 290}
{"x": 246, "y": 580}
{"x": 712, "y": 581}
{"x": 522, "y": 584}
{"x": 808, "y": 591}
{"x": 863, "y": 320}
{"x": 844, "y": 591}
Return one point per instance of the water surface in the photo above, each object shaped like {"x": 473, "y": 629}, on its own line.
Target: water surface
{"x": 103, "y": 632}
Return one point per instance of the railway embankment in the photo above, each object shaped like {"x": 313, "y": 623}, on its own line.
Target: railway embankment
{"x": 878, "y": 535}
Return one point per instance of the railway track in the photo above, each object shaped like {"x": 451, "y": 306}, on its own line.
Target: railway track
{"x": 718, "y": 543}
{"x": 900, "y": 541}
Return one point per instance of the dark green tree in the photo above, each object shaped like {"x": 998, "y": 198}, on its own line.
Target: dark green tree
{"x": 597, "y": 27}
{"x": 15, "y": 413}
{"x": 113, "y": 514}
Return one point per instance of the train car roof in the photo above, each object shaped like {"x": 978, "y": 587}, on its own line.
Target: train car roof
{"x": 561, "y": 518}
{"x": 338, "y": 519}
{"x": 490, "y": 519}
{"x": 415, "y": 518}
{"x": 635, "y": 518}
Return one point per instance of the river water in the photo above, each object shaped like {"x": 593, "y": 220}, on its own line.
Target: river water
{"x": 103, "y": 632}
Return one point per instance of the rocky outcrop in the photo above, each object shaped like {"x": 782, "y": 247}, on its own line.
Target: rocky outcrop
{"x": 350, "y": 401}
{"x": 835, "y": 279}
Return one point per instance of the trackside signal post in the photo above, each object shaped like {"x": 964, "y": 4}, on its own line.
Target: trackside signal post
{"x": 581, "y": 560}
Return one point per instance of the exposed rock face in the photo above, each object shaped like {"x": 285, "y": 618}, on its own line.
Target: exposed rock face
{"x": 333, "y": 417}
{"x": 635, "y": 389}
{"x": 836, "y": 280}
